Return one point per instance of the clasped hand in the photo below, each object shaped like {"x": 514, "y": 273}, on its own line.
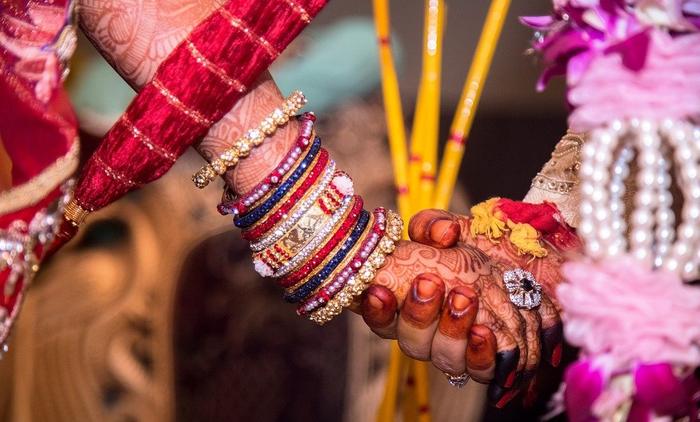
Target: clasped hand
{"x": 443, "y": 297}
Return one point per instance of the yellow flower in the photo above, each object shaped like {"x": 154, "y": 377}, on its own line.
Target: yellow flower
{"x": 487, "y": 220}
{"x": 527, "y": 239}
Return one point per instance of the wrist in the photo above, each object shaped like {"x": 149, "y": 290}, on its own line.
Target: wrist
{"x": 262, "y": 99}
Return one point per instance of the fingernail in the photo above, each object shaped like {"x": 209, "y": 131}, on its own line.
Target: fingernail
{"x": 375, "y": 302}
{"x": 440, "y": 229}
{"x": 507, "y": 397}
{"x": 506, "y": 366}
{"x": 476, "y": 342}
{"x": 530, "y": 394}
{"x": 460, "y": 302}
{"x": 426, "y": 289}
{"x": 556, "y": 355}
{"x": 552, "y": 338}
{"x": 499, "y": 396}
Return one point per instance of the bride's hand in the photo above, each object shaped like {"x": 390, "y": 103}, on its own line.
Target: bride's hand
{"x": 477, "y": 331}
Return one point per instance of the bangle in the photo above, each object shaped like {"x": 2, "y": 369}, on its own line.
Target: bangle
{"x": 329, "y": 291}
{"x": 339, "y": 182}
{"x": 289, "y": 201}
{"x": 291, "y": 241}
{"x": 319, "y": 255}
{"x": 304, "y": 253}
{"x": 252, "y": 138}
{"x": 359, "y": 282}
{"x": 257, "y": 213}
{"x": 309, "y": 286}
{"x": 240, "y": 205}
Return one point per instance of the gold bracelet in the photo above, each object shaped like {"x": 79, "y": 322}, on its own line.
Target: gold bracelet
{"x": 74, "y": 213}
{"x": 254, "y": 137}
{"x": 359, "y": 283}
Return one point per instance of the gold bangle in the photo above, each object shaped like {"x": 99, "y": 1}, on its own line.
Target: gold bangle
{"x": 74, "y": 213}
{"x": 291, "y": 289}
{"x": 359, "y": 283}
{"x": 349, "y": 257}
{"x": 254, "y": 137}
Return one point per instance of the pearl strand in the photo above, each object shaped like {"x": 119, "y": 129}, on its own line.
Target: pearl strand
{"x": 652, "y": 237}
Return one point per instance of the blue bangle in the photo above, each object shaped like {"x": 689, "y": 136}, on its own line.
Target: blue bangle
{"x": 259, "y": 212}
{"x": 307, "y": 288}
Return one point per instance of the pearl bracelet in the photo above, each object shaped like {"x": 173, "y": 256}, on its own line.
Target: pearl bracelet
{"x": 252, "y": 138}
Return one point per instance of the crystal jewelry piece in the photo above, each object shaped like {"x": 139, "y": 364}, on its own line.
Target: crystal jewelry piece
{"x": 457, "y": 381}
{"x": 524, "y": 291}
{"x": 252, "y": 138}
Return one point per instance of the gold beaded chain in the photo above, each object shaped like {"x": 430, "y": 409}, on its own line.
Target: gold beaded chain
{"x": 252, "y": 138}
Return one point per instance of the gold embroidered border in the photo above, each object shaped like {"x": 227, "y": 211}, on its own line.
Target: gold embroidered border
{"x": 237, "y": 23}
{"x": 113, "y": 174}
{"x": 35, "y": 189}
{"x": 305, "y": 17}
{"x": 147, "y": 141}
{"x": 213, "y": 68}
{"x": 177, "y": 103}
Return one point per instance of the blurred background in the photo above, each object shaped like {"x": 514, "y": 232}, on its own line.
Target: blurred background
{"x": 154, "y": 313}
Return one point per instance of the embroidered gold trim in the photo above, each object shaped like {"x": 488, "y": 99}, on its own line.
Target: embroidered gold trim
{"x": 34, "y": 190}
{"x": 147, "y": 141}
{"x": 305, "y": 17}
{"x": 177, "y": 103}
{"x": 213, "y": 68}
{"x": 237, "y": 23}
{"x": 115, "y": 175}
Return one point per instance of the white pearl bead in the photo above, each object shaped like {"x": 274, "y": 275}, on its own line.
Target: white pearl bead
{"x": 640, "y": 238}
{"x": 687, "y": 232}
{"x": 641, "y": 218}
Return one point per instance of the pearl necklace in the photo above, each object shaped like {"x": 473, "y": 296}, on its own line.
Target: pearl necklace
{"x": 658, "y": 147}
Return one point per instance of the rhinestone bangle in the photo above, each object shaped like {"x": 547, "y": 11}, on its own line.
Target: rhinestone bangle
{"x": 252, "y": 138}
{"x": 339, "y": 281}
{"x": 299, "y": 212}
{"x": 359, "y": 283}
{"x": 312, "y": 283}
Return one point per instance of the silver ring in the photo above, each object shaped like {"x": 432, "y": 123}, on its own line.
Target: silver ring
{"x": 457, "y": 381}
{"x": 524, "y": 291}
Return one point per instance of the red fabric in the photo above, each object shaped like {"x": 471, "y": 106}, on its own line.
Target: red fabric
{"x": 229, "y": 48}
{"x": 544, "y": 217}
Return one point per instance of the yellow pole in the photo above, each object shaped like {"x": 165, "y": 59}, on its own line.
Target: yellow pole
{"x": 399, "y": 157}
{"x": 392, "y": 106}
{"x": 471, "y": 93}
{"x": 430, "y": 99}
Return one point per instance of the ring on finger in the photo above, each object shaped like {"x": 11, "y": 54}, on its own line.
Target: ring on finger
{"x": 457, "y": 381}
{"x": 523, "y": 289}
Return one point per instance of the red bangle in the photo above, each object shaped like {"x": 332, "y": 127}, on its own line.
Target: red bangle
{"x": 241, "y": 204}
{"x": 321, "y": 254}
{"x": 328, "y": 291}
{"x": 257, "y": 231}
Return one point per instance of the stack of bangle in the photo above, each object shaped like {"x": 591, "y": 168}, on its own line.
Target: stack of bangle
{"x": 240, "y": 205}
{"x": 309, "y": 230}
{"x": 252, "y": 138}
